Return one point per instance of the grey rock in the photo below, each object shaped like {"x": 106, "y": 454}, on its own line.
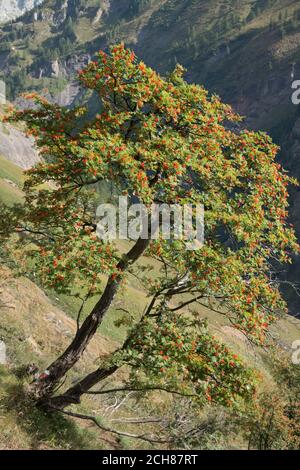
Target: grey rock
{"x": 11, "y": 9}
{"x": 17, "y": 148}
{"x": 55, "y": 68}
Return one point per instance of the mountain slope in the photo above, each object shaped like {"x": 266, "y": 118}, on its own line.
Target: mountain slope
{"x": 245, "y": 50}
{"x": 35, "y": 330}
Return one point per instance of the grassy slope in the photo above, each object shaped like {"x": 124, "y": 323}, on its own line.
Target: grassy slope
{"x": 11, "y": 178}
{"x": 8, "y": 193}
{"x": 36, "y": 330}
{"x": 11, "y": 172}
{"x": 11, "y": 182}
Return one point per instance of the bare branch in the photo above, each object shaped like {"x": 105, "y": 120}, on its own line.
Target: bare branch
{"x": 143, "y": 437}
{"x": 136, "y": 389}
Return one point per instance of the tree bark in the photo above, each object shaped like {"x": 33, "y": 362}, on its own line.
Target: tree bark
{"x": 44, "y": 388}
{"x": 73, "y": 394}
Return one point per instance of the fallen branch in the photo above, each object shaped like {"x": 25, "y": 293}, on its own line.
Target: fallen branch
{"x": 143, "y": 437}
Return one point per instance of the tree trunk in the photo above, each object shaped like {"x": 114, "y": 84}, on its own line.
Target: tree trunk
{"x": 44, "y": 388}
{"x": 73, "y": 394}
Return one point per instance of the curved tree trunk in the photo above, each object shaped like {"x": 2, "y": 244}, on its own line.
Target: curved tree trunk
{"x": 73, "y": 394}
{"x": 43, "y": 389}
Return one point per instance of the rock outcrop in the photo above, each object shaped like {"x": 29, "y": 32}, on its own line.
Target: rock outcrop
{"x": 11, "y": 9}
{"x": 17, "y": 148}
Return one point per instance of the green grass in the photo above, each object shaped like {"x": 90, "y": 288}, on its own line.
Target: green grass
{"x": 23, "y": 426}
{"x": 11, "y": 181}
{"x": 131, "y": 299}
{"x": 9, "y": 195}
{"x": 9, "y": 170}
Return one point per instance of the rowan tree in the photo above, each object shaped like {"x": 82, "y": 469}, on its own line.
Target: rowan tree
{"x": 159, "y": 140}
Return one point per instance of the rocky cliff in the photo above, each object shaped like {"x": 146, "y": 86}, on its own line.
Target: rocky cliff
{"x": 17, "y": 148}
{"x": 11, "y": 9}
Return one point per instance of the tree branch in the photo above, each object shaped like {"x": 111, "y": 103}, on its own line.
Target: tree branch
{"x": 143, "y": 437}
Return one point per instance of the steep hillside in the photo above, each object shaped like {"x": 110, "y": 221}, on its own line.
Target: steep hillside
{"x": 15, "y": 146}
{"x": 35, "y": 329}
{"x": 246, "y": 51}
{"x": 11, "y": 182}
{"x": 234, "y": 47}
